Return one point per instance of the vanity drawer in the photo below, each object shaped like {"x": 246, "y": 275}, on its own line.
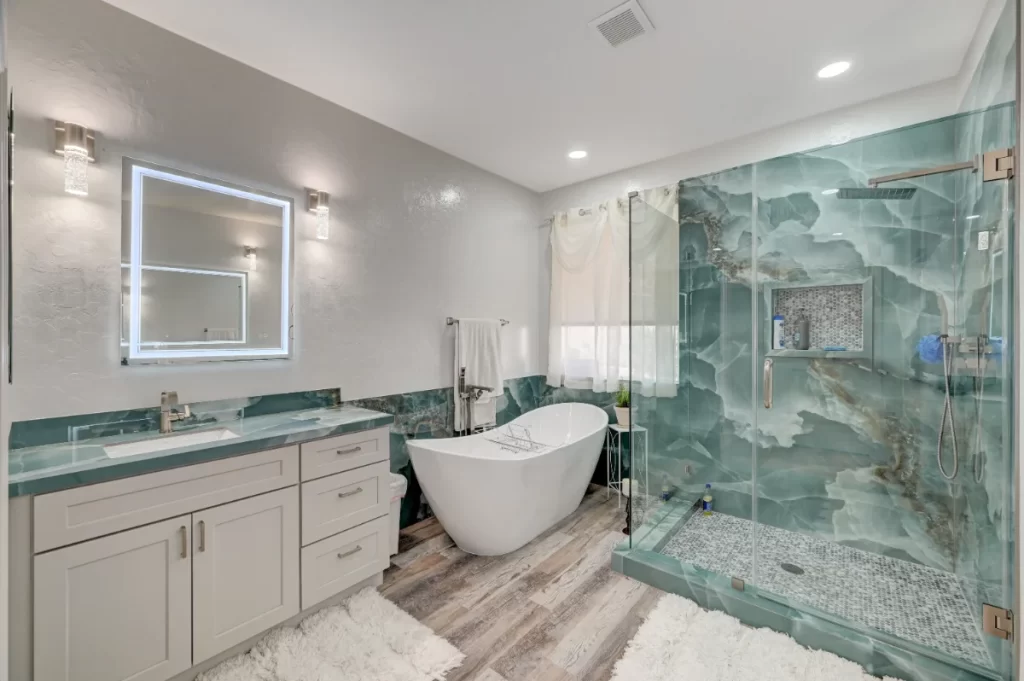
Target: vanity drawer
{"x": 74, "y": 515}
{"x": 336, "y": 563}
{"x": 343, "y": 453}
{"x": 344, "y": 500}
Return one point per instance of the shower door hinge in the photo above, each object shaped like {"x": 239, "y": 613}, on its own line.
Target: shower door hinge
{"x": 997, "y": 622}
{"x": 997, "y": 165}
{"x": 738, "y": 584}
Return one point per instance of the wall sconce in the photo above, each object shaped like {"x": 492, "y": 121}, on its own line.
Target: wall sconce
{"x": 316, "y": 203}
{"x": 77, "y": 144}
{"x": 250, "y": 255}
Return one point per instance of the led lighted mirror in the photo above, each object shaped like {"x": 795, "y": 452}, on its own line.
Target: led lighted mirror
{"x": 191, "y": 286}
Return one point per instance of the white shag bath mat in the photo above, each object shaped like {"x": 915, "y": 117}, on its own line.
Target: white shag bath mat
{"x": 366, "y": 638}
{"x": 680, "y": 641}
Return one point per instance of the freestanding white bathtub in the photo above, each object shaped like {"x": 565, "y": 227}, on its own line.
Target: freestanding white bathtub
{"x": 495, "y": 491}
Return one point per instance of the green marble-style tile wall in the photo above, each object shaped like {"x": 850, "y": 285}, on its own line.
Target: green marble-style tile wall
{"x": 848, "y": 450}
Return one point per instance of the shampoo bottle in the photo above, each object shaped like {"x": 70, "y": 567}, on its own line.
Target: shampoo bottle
{"x": 778, "y": 340}
{"x": 707, "y": 502}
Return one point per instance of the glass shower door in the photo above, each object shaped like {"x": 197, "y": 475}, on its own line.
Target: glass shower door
{"x": 871, "y": 401}
{"x": 982, "y": 375}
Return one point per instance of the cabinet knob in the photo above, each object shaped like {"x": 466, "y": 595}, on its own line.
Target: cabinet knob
{"x": 350, "y": 552}
{"x": 342, "y": 495}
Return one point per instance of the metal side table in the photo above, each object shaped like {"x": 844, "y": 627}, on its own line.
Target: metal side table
{"x": 613, "y": 444}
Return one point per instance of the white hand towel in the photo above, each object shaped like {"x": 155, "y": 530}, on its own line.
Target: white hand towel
{"x": 478, "y": 350}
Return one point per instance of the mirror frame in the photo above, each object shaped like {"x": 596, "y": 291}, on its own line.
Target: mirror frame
{"x": 133, "y": 173}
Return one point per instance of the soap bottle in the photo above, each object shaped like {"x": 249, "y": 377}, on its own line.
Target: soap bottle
{"x": 707, "y": 501}
{"x": 666, "y": 490}
{"x": 802, "y": 335}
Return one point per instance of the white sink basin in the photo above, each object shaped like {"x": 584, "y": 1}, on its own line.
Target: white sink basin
{"x": 169, "y": 442}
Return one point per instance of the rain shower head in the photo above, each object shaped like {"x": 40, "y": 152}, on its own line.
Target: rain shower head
{"x": 888, "y": 194}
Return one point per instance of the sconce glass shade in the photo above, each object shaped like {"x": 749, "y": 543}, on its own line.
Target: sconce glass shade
{"x": 323, "y": 222}
{"x": 76, "y": 169}
{"x": 317, "y": 203}
{"x": 250, "y": 255}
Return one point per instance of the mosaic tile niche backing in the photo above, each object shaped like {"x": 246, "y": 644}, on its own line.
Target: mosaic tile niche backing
{"x": 835, "y": 313}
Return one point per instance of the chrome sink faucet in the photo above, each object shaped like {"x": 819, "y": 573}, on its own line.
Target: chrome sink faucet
{"x": 169, "y": 412}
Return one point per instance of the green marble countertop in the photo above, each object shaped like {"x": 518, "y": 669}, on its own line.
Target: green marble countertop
{"x": 47, "y": 468}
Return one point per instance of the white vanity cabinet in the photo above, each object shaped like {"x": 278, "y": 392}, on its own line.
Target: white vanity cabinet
{"x": 119, "y": 607}
{"x": 245, "y": 570}
{"x": 151, "y": 602}
{"x": 143, "y": 578}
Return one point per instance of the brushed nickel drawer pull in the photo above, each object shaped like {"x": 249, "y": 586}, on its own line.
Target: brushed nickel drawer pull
{"x": 202, "y": 535}
{"x": 351, "y": 450}
{"x": 184, "y": 541}
{"x": 350, "y": 553}
{"x": 342, "y": 495}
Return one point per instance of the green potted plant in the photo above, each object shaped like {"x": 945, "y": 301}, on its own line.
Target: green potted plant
{"x": 622, "y": 407}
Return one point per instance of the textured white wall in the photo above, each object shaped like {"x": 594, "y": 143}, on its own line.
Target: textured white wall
{"x": 416, "y": 234}
{"x": 885, "y": 113}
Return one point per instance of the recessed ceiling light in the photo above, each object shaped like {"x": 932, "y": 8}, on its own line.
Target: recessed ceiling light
{"x": 972, "y": 217}
{"x": 830, "y": 192}
{"x": 577, "y": 154}
{"x": 834, "y": 69}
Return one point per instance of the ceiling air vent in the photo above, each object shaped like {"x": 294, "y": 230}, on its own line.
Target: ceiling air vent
{"x": 623, "y": 23}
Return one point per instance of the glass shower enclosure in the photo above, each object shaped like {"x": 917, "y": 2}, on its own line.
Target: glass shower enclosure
{"x": 842, "y": 381}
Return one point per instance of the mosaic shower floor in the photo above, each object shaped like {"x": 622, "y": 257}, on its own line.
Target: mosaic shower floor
{"x": 916, "y": 603}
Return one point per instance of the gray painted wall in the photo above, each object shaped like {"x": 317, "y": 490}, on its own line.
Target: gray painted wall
{"x": 835, "y": 127}
{"x": 416, "y": 234}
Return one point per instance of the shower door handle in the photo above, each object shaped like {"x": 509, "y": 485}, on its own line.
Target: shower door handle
{"x": 768, "y": 387}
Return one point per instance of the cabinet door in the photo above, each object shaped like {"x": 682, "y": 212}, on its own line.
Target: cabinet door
{"x": 116, "y": 608}
{"x": 245, "y": 570}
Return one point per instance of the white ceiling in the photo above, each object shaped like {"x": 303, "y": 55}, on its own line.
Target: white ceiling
{"x": 512, "y": 86}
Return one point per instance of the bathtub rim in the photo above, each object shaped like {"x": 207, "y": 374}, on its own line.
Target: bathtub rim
{"x": 420, "y": 442}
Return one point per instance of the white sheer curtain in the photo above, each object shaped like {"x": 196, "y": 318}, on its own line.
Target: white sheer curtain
{"x": 589, "y": 312}
{"x": 589, "y": 332}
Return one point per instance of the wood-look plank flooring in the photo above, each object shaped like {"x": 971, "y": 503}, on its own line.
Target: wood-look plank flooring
{"x": 551, "y": 611}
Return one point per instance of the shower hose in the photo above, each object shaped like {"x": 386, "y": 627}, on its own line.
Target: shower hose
{"x": 947, "y": 412}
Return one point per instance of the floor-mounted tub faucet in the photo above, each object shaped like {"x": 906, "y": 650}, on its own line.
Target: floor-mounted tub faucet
{"x": 469, "y": 394}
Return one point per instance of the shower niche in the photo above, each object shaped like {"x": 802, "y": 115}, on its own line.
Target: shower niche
{"x": 834, "y": 315}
